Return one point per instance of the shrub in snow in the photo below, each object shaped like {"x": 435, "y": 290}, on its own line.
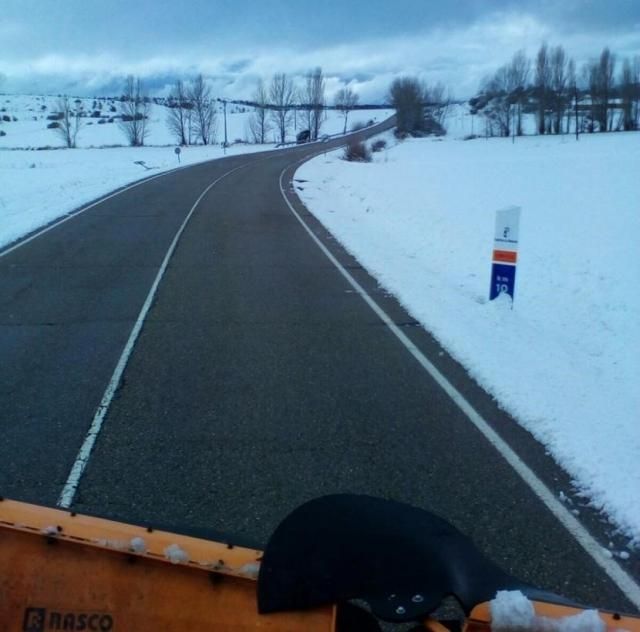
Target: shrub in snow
{"x": 356, "y": 151}
{"x": 53, "y": 125}
{"x": 379, "y": 145}
{"x": 3, "y": 133}
{"x": 431, "y": 126}
{"x": 6, "y": 118}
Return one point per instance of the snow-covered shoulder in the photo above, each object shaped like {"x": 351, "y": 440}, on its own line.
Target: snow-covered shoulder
{"x": 565, "y": 360}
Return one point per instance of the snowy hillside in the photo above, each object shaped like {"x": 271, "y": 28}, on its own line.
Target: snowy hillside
{"x": 565, "y": 360}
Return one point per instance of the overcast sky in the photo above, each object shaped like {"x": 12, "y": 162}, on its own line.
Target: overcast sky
{"x": 84, "y": 47}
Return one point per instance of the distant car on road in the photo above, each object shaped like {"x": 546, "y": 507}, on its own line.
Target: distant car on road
{"x": 303, "y": 136}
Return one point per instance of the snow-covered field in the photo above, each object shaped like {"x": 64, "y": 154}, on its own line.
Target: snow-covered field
{"x": 30, "y": 130}
{"x": 565, "y": 361}
{"x": 39, "y": 186}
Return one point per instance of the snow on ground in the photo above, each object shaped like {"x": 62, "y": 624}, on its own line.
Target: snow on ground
{"x": 565, "y": 361}
{"x": 39, "y": 186}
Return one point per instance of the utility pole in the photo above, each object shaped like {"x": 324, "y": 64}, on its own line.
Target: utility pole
{"x": 575, "y": 95}
{"x": 224, "y": 105}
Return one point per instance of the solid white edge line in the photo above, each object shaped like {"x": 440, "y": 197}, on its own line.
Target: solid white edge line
{"x": 615, "y": 572}
{"x": 73, "y": 480}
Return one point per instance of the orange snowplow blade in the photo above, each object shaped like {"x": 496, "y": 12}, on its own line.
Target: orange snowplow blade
{"x": 62, "y": 571}
{"x": 480, "y": 618}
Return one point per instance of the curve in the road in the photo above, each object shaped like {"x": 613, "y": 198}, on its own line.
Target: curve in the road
{"x": 245, "y": 274}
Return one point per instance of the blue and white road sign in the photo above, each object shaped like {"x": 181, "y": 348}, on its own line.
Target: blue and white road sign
{"x": 505, "y": 253}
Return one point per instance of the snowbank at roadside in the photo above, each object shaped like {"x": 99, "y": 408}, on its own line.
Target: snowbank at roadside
{"x": 566, "y": 360}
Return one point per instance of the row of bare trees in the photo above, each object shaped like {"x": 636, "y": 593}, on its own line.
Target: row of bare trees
{"x": 277, "y": 105}
{"x": 191, "y": 116}
{"x": 192, "y": 112}
{"x": 550, "y": 89}
{"x": 135, "y": 107}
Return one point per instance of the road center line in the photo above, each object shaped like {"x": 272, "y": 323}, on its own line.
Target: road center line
{"x": 615, "y": 572}
{"x": 73, "y": 480}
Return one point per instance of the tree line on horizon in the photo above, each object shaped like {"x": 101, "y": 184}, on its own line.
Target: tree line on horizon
{"x": 276, "y": 106}
{"x": 602, "y": 96}
{"x": 596, "y": 98}
{"x": 192, "y": 116}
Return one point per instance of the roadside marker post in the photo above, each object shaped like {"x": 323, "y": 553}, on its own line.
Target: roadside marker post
{"x": 177, "y": 152}
{"x": 505, "y": 252}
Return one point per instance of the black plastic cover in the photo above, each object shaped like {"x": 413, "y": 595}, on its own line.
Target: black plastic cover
{"x": 400, "y": 559}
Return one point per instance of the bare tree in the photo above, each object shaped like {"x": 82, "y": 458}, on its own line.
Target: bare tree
{"x": 282, "y": 95}
{"x": 345, "y": 101}
{"x": 600, "y": 76}
{"x": 314, "y": 98}
{"x": 177, "y": 117}
{"x": 559, "y": 75}
{"x": 590, "y": 76}
{"x": 134, "y": 109}
{"x": 635, "y": 73}
{"x": 204, "y": 112}
{"x": 405, "y": 95}
{"x": 606, "y": 74}
{"x": 572, "y": 87}
{"x": 627, "y": 89}
{"x": 259, "y": 122}
{"x": 542, "y": 83}
{"x": 518, "y": 71}
{"x": 437, "y": 99}
{"x": 190, "y": 121}
{"x": 499, "y": 108}
{"x": 69, "y": 122}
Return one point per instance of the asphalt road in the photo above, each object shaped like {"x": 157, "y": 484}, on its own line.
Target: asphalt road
{"x": 260, "y": 379}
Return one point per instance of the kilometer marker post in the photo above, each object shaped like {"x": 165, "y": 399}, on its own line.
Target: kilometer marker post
{"x": 505, "y": 252}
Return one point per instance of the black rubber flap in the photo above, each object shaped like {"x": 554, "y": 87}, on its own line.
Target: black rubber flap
{"x": 400, "y": 559}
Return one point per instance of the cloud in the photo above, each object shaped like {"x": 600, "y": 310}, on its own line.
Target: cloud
{"x": 459, "y": 56}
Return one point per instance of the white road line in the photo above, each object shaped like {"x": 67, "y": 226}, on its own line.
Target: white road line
{"x": 73, "y": 214}
{"x": 615, "y": 572}
{"x": 69, "y": 491}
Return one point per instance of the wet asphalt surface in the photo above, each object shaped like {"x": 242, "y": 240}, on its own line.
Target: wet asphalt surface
{"x": 260, "y": 380}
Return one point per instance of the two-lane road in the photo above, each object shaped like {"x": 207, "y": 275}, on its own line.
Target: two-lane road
{"x": 260, "y": 377}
